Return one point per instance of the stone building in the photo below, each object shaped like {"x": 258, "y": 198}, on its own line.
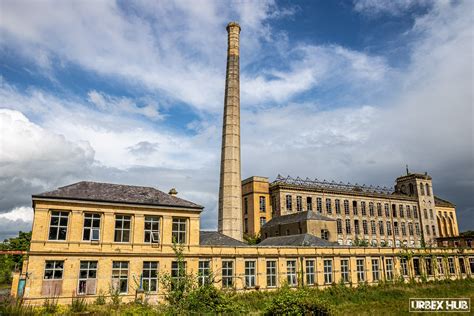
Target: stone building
{"x": 407, "y": 216}
{"x": 91, "y": 239}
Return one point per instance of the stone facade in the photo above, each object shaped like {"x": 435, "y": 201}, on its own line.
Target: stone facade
{"x": 230, "y": 192}
{"x": 394, "y": 218}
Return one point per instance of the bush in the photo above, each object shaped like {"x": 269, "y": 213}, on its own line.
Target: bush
{"x": 208, "y": 299}
{"x": 78, "y": 305}
{"x": 100, "y": 300}
{"x": 296, "y": 302}
{"x": 14, "y": 307}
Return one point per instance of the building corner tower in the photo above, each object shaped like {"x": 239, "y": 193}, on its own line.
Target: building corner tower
{"x": 230, "y": 188}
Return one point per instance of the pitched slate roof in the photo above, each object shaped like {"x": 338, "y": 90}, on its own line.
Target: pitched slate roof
{"x": 117, "y": 193}
{"x": 296, "y": 218}
{"x": 307, "y": 240}
{"x": 441, "y": 202}
{"x": 212, "y": 238}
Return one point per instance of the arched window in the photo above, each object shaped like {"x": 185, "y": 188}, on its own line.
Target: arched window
{"x": 428, "y": 189}
{"x": 422, "y": 191}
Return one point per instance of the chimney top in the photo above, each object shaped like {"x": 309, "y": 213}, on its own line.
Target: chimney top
{"x": 232, "y": 24}
{"x": 173, "y": 192}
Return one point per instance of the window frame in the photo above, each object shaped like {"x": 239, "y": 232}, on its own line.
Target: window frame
{"x": 345, "y": 270}
{"x": 271, "y": 277}
{"x": 152, "y": 275}
{"x": 120, "y": 276}
{"x": 328, "y": 271}
{"x": 375, "y": 270}
{"x": 250, "y": 273}
{"x": 60, "y": 215}
{"x": 227, "y": 278}
{"x": 360, "y": 269}
{"x": 91, "y": 228}
{"x": 291, "y": 272}
{"x": 310, "y": 268}
{"x": 154, "y": 235}
{"x": 121, "y": 230}
{"x": 177, "y": 234}
{"x": 54, "y": 269}
{"x": 88, "y": 271}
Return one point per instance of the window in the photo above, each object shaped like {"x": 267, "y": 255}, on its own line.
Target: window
{"x": 263, "y": 207}
{"x": 246, "y": 205}
{"x": 91, "y": 230}
{"x": 325, "y": 234}
{"x": 417, "y": 229}
{"x": 410, "y": 229}
{"x": 431, "y": 213}
{"x": 471, "y": 264}
{"x": 339, "y": 226}
{"x": 389, "y": 268}
{"x": 387, "y": 210}
{"x": 288, "y": 203}
{"x": 363, "y": 209}
{"x": 373, "y": 228}
{"x": 408, "y": 211}
{"x": 379, "y": 209}
{"x": 427, "y": 229}
{"x": 271, "y": 274}
{"x": 299, "y": 204}
{"x": 422, "y": 191}
{"x": 309, "y": 203}
{"x": 58, "y": 225}
{"x": 178, "y": 272}
{"x": 371, "y": 208}
{"x": 346, "y": 207}
{"x": 319, "y": 206}
{"x": 429, "y": 266}
{"x": 178, "y": 231}
{"x": 428, "y": 191}
{"x": 404, "y": 266}
{"x": 310, "y": 272}
{"x": 328, "y": 206}
{"x": 381, "y": 230}
{"x": 152, "y": 229}
{"x": 400, "y": 209}
{"x": 416, "y": 266}
{"x": 122, "y": 228}
{"x": 375, "y": 270}
{"x": 227, "y": 274}
{"x": 360, "y": 270}
{"x": 394, "y": 210}
{"x": 395, "y": 228}
{"x": 404, "y": 229}
{"x": 327, "y": 264}
{"x": 415, "y": 212}
{"x": 425, "y": 214}
{"x": 249, "y": 274}
{"x": 291, "y": 272}
{"x": 451, "y": 265}
{"x": 433, "y": 229}
{"x": 345, "y": 270}
{"x": 462, "y": 267}
{"x": 120, "y": 276}
{"x": 246, "y": 225}
{"x": 348, "y": 226}
{"x": 87, "y": 277}
{"x": 204, "y": 272}
{"x": 354, "y": 208}
{"x": 150, "y": 276}
{"x": 263, "y": 221}
{"x": 389, "y": 228}
{"x": 440, "y": 265}
{"x": 356, "y": 227}
{"x": 52, "y": 279}
{"x": 53, "y": 270}
{"x": 337, "y": 206}
{"x": 365, "y": 227}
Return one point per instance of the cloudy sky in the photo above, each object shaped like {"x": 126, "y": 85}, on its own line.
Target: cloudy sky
{"x": 132, "y": 92}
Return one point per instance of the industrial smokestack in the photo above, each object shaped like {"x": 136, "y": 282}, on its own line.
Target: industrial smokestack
{"x": 230, "y": 189}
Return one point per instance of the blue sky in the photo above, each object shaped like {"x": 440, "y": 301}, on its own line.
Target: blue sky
{"x": 132, "y": 92}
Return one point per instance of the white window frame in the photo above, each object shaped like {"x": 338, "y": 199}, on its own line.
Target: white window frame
{"x": 153, "y": 232}
{"x": 389, "y": 268}
{"x": 250, "y": 273}
{"x": 345, "y": 270}
{"x": 150, "y": 276}
{"x": 120, "y": 273}
{"x": 56, "y": 270}
{"x": 360, "y": 266}
{"x": 272, "y": 273}
{"x": 59, "y": 226}
{"x": 204, "y": 272}
{"x": 93, "y": 228}
{"x": 291, "y": 272}
{"x": 327, "y": 271}
{"x": 179, "y": 229}
{"x": 119, "y": 231}
{"x": 375, "y": 270}
{"x": 90, "y": 270}
{"x": 310, "y": 271}
{"x": 227, "y": 273}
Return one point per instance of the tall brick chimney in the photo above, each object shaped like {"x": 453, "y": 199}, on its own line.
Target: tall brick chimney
{"x": 230, "y": 188}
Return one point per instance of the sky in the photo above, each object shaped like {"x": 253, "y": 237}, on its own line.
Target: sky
{"x": 132, "y": 92}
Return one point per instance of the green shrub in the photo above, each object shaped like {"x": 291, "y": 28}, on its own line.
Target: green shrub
{"x": 296, "y": 302}
{"x": 50, "y": 306}
{"x": 78, "y": 305}
{"x": 14, "y": 307}
{"x": 100, "y": 300}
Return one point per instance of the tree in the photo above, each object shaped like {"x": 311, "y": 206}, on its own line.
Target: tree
{"x": 9, "y": 262}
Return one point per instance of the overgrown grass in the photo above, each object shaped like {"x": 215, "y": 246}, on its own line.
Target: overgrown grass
{"x": 384, "y": 299}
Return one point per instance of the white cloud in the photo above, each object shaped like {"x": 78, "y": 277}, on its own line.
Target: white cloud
{"x": 398, "y": 7}
{"x": 24, "y": 213}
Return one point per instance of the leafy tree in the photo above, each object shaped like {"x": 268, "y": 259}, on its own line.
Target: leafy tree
{"x": 9, "y": 262}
